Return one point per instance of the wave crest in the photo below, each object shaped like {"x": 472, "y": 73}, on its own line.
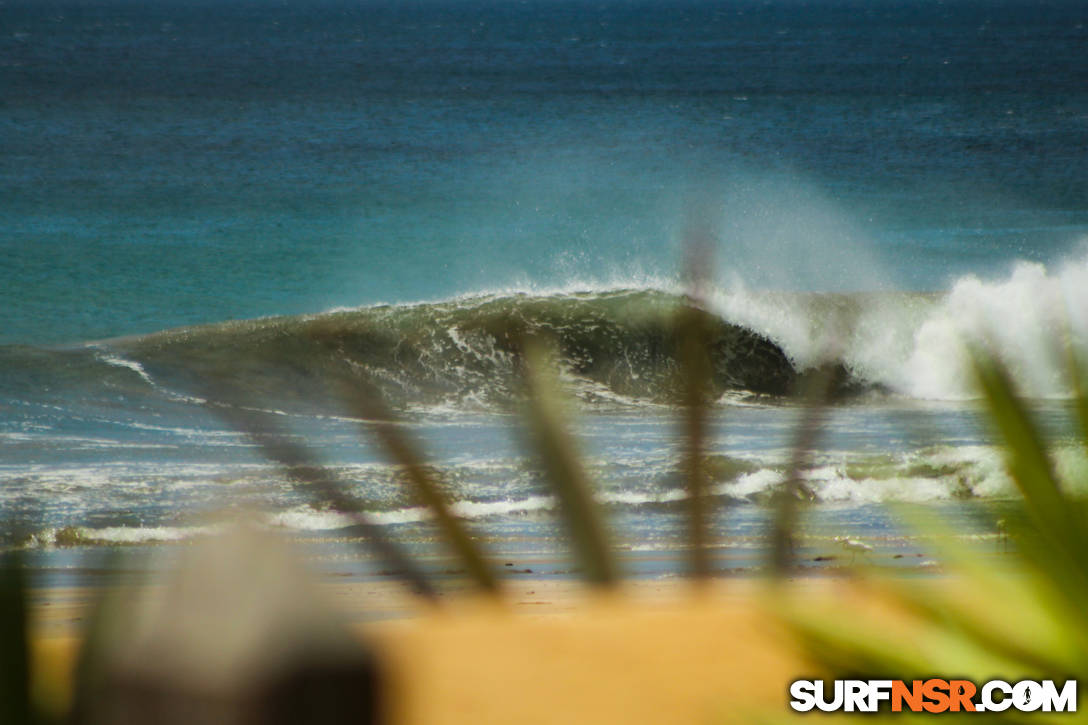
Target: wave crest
{"x": 613, "y": 346}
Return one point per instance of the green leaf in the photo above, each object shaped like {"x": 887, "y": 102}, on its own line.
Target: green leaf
{"x": 562, "y": 464}
{"x": 14, "y": 642}
{"x": 378, "y": 420}
{"x": 1059, "y": 521}
{"x": 696, "y": 383}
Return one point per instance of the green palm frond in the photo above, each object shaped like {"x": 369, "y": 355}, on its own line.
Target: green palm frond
{"x": 562, "y": 463}
{"x": 1020, "y": 617}
{"x": 377, "y": 420}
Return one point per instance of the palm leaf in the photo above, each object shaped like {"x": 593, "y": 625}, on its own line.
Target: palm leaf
{"x": 696, "y": 380}
{"x": 1059, "y": 544}
{"x": 320, "y": 484}
{"x": 563, "y": 467}
{"x": 378, "y": 420}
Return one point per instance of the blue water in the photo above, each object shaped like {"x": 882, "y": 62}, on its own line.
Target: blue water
{"x": 167, "y": 163}
{"x": 173, "y": 163}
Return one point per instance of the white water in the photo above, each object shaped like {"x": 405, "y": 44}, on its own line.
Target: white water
{"x": 917, "y": 345}
{"x": 913, "y": 343}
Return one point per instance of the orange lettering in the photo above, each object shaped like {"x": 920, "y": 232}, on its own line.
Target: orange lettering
{"x": 936, "y": 691}
{"x": 912, "y": 696}
{"x": 961, "y": 692}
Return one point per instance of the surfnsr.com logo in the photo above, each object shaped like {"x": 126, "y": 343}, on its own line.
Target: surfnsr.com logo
{"x": 933, "y": 695}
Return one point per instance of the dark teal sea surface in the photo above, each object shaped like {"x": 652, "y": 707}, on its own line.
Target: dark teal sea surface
{"x": 173, "y": 162}
{"x": 875, "y": 179}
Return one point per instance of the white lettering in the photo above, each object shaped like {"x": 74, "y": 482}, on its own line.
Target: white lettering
{"x": 987, "y": 696}
{"x": 803, "y": 693}
{"x": 879, "y": 690}
{"x": 833, "y": 704}
{"x": 1064, "y": 701}
{"x": 855, "y": 696}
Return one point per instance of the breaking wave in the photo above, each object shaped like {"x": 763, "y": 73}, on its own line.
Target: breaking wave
{"x": 616, "y": 346}
{"x": 915, "y": 344}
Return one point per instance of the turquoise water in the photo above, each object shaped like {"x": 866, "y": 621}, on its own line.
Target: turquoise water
{"x": 872, "y": 177}
{"x": 173, "y": 163}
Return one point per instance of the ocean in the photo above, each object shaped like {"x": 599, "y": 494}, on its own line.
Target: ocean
{"x": 272, "y": 192}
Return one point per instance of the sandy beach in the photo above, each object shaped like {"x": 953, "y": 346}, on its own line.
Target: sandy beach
{"x": 550, "y": 651}
{"x": 656, "y": 652}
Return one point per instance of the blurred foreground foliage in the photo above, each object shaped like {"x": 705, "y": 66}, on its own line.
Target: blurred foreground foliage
{"x": 1023, "y": 620}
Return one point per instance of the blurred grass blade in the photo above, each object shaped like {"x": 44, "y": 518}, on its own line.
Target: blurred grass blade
{"x": 562, "y": 464}
{"x": 854, "y": 645}
{"x": 1077, "y": 380}
{"x": 14, "y": 642}
{"x": 1080, "y": 401}
{"x": 787, "y": 511}
{"x": 90, "y": 671}
{"x": 696, "y": 372}
{"x": 1057, "y": 519}
{"x": 1003, "y": 633}
{"x": 1007, "y": 610}
{"x": 697, "y": 381}
{"x": 892, "y": 646}
{"x": 402, "y": 450}
{"x": 321, "y": 485}
{"x": 1055, "y": 547}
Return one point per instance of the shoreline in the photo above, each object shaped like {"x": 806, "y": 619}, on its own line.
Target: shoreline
{"x": 667, "y": 650}
{"x": 654, "y": 650}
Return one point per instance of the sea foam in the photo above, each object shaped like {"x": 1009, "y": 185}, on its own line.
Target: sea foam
{"x": 916, "y": 344}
